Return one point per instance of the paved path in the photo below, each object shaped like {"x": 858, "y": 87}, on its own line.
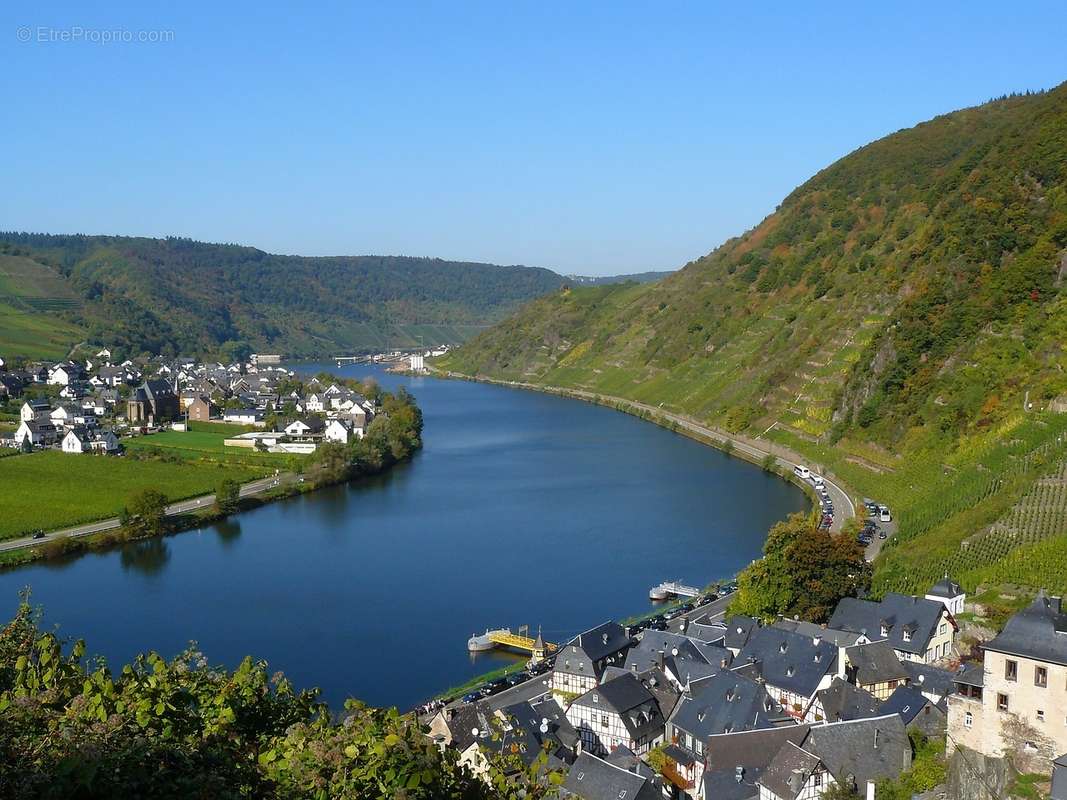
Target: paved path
{"x": 844, "y": 509}
{"x": 175, "y": 509}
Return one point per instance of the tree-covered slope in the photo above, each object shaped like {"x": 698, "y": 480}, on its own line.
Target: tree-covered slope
{"x": 890, "y": 319}
{"x": 155, "y": 294}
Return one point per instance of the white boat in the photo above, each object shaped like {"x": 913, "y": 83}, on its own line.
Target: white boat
{"x": 658, "y": 593}
{"x": 481, "y": 643}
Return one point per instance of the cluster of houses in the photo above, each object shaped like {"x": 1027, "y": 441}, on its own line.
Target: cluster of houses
{"x": 731, "y": 709}
{"x": 92, "y": 402}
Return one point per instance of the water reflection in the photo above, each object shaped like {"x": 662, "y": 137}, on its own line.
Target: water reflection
{"x": 147, "y": 556}
{"x": 228, "y": 531}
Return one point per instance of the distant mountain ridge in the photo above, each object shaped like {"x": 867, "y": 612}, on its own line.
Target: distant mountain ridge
{"x": 604, "y": 280}
{"x": 143, "y": 294}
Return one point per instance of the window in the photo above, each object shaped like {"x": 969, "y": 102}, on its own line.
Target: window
{"x": 604, "y": 720}
{"x": 968, "y": 719}
{"x": 885, "y": 630}
{"x": 1002, "y": 702}
{"x": 1040, "y": 715}
{"x": 1011, "y": 670}
{"x": 817, "y": 779}
{"x": 1041, "y": 676}
{"x": 907, "y": 635}
{"x": 943, "y": 629}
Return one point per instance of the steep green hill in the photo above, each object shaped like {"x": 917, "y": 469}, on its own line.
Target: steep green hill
{"x": 175, "y": 294}
{"x": 889, "y": 319}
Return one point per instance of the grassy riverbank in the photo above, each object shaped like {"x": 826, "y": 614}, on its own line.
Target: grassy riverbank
{"x": 51, "y": 490}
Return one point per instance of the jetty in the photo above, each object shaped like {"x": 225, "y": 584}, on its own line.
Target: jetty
{"x": 669, "y": 589}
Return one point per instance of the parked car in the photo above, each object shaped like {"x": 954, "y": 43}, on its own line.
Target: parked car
{"x": 882, "y": 534}
{"x": 884, "y": 515}
{"x": 472, "y": 697}
{"x": 515, "y": 678}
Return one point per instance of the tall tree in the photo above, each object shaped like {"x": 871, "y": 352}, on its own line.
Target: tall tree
{"x": 804, "y": 571}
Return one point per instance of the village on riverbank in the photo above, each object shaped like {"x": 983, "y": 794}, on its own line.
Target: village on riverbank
{"x": 698, "y": 702}
{"x": 80, "y": 437}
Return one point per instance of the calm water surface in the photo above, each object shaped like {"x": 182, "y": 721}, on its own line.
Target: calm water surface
{"x": 521, "y": 508}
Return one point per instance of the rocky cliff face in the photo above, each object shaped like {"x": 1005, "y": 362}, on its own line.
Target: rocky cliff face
{"x": 972, "y": 776}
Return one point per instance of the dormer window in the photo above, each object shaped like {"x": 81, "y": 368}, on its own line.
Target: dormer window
{"x": 885, "y": 629}
{"x": 907, "y": 635}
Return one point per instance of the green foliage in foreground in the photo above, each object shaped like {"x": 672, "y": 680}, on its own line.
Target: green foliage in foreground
{"x": 804, "y": 572}
{"x": 181, "y": 729}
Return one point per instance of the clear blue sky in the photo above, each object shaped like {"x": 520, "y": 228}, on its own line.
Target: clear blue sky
{"x": 610, "y": 138}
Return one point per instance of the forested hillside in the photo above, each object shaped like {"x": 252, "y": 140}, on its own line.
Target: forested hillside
{"x": 900, "y": 318}
{"x": 160, "y": 295}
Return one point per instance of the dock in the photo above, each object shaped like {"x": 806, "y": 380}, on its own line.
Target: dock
{"x": 669, "y": 589}
{"x": 537, "y": 647}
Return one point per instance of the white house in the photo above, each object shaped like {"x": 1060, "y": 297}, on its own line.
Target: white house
{"x": 316, "y": 402}
{"x": 950, "y": 593}
{"x": 618, "y": 713}
{"x": 337, "y": 431}
{"x": 243, "y": 416}
{"x": 39, "y": 433}
{"x": 309, "y": 426}
{"x": 76, "y": 441}
{"x": 35, "y": 409}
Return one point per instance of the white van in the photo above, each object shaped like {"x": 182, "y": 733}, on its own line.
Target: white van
{"x": 883, "y": 514}
{"x": 802, "y": 472}
{"x": 817, "y": 480}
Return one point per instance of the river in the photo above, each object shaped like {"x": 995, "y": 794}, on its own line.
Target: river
{"x": 521, "y": 508}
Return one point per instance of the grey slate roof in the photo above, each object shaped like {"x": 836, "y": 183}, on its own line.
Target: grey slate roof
{"x": 646, "y": 653}
{"x": 1039, "y": 632}
{"x": 789, "y": 771}
{"x": 724, "y": 703}
{"x": 593, "y": 778}
{"x": 738, "y": 630}
{"x": 866, "y": 749}
{"x": 787, "y": 660}
{"x": 588, "y": 652}
{"x": 839, "y": 638}
{"x": 843, "y": 701}
{"x": 946, "y": 588}
{"x": 631, "y": 700}
{"x": 874, "y": 663}
{"x": 929, "y": 680}
{"x": 905, "y": 701}
{"x": 899, "y": 612}
{"x": 756, "y": 748}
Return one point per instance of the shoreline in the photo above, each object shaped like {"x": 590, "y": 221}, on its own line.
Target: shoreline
{"x": 731, "y": 444}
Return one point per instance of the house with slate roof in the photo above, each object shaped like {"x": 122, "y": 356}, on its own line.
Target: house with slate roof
{"x": 793, "y": 667}
{"x": 580, "y": 663}
{"x": 950, "y": 593}
{"x": 794, "y": 774}
{"x": 722, "y": 703}
{"x": 842, "y": 701}
{"x": 936, "y": 684}
{"x": 593, "y": 778}
{"x": 916, "y": 711}
{"x": 917, "y": 628}
{"x": 734, "y": 762}
{"x": 618, "y": 712}
{"x": 875, "y": 668}
{"x": 1014, "y": 702}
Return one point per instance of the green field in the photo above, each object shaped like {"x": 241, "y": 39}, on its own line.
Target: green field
{"x": 201, "y": 444}
{"x": 55, "y": 490}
